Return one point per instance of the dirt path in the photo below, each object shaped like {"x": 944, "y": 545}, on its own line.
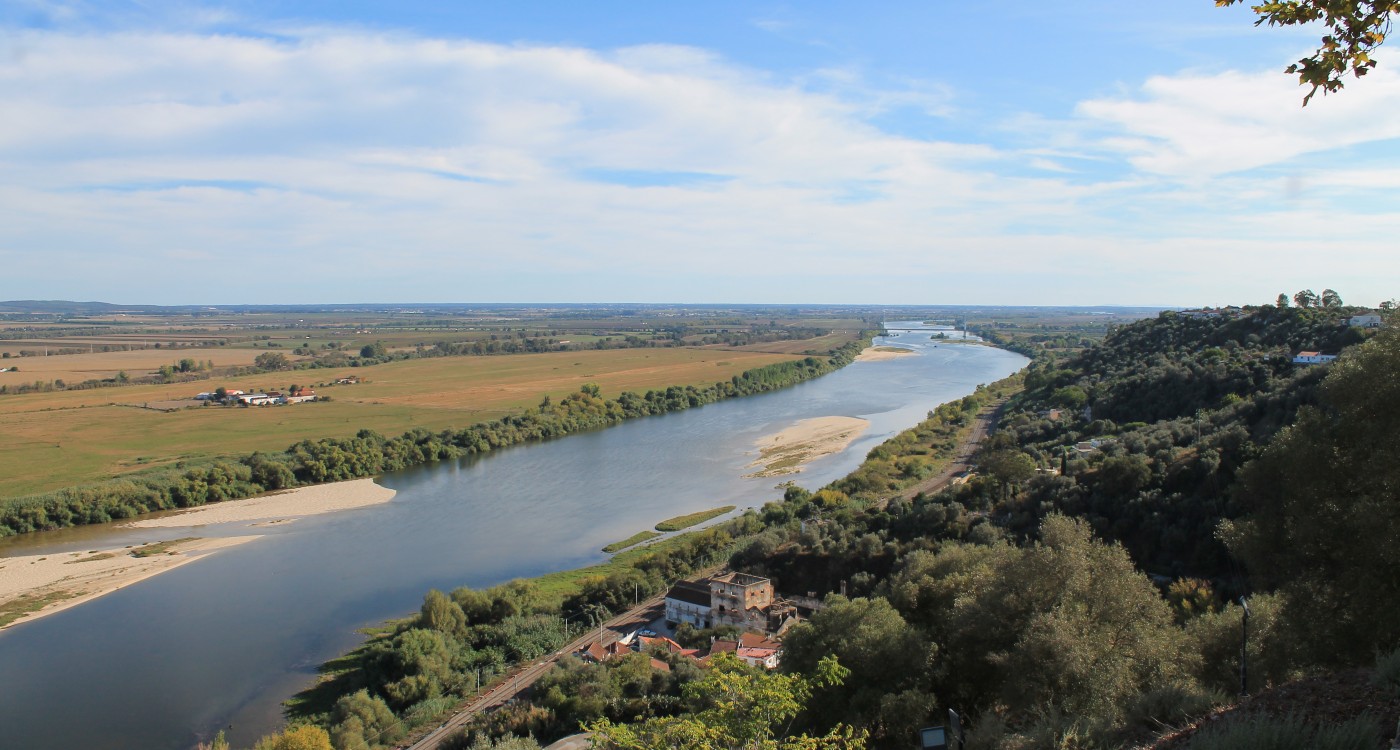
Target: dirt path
{"x": 983, "y": 425}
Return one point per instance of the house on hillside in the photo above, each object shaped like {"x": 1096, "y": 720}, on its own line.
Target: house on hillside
{"x": 1369, "y": 320}
{"x": 597, "y": 653}
{"x": 689, "y": 601}
{"x": 1313, "y": 358}
{"x": 737, "y": 599}
{"x": 752, "y": 648}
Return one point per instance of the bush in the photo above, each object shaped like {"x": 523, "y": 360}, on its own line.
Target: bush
{"x": 1388, "y": 672}
{"x": 1172, "y": 706}
{"x": 1290, "y": 733}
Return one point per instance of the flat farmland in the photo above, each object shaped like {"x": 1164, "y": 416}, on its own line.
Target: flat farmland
{"x": 797, "y": 346}
{"x": 75, "y": 368}
{"x": 53, "y": 440}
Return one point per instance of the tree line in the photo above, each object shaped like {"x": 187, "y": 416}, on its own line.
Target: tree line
{"x": 369, "y": 453}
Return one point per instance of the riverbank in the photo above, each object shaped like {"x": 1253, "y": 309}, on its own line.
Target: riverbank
{"x": 370, "y": 453}
{"x": 789, "y": 450}
{"x": 278, "y": 507}
{"x": 882, "y": 353}
{"x": 34, "y": 586}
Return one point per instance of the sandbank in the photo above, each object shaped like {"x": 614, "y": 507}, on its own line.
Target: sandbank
{"x": 52, "y": 583}
{"x": 788, "y": 451}
{"x": 279, "y": 506}
{"x": 879, "y": 353}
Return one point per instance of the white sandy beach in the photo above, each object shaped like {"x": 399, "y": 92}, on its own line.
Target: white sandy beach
{"x": 881, "y": 353}
{"x": 786, "y": 452}
{"x": 280, "y": 506}
{"x": 67, "y": 579}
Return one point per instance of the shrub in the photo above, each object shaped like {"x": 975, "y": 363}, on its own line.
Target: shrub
{"x": 1290, "y": 733}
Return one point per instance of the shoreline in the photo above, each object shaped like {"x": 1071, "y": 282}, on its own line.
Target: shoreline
{"x": 883, "y": 353}
{"x": 790, "y": 450}
{"x": 282, "y": 506}
{"x": 34, "y": 586}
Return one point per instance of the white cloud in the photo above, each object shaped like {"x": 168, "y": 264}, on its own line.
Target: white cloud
{"x": 1197, "y": 125}
{"x": 381, "y": 166}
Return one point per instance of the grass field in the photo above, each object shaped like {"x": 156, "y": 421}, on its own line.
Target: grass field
{"x": 692, "y": 519}
{"x": 631, "y": 541}
{"x": 53, "y": 440}
{"x": 75, "y": 368}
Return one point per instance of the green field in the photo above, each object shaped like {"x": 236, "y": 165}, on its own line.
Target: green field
{"x": 686, "y": 521}
{"x": 631, "y": 541}
{"x": 59, "y": 439}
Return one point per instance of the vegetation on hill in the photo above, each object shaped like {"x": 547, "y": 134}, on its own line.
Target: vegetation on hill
{"x": 1188, "y": 446}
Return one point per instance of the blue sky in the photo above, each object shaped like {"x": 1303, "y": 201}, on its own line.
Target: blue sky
{"x": 909, "y": 153}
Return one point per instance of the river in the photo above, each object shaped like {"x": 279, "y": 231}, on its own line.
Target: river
{"x": 223, "y": 641}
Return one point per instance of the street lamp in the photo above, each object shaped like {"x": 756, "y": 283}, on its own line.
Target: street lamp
{"x": 1244, "y": 648}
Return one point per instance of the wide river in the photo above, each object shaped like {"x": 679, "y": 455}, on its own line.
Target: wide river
{"x": 223, "y": 641}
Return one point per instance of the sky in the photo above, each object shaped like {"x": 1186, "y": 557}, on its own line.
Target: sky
{"x": 924, "y": 152}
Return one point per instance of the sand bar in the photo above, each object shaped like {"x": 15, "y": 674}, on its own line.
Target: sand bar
{"x": 54, "y": 582}
{"x": 880, "y": 353}
{"x": 788, "y": 451}
{"x": 279, "y": 506}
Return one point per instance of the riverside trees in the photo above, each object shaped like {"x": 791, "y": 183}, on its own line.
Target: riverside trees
{"x": 368, "y": 453}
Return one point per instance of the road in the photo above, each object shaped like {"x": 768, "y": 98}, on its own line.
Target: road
{"x": 984, "y": 423}
{"x": 523, "y": 677}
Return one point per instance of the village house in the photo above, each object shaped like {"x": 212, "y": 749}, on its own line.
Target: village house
{"x": 737, "y": 599}
{"x": 1313, "y": 358}
{"x": 1369, "y": 320}
{"x": 689, "y": 602}
{"x": 299, "y": 395}
{"x": 754, "y": 649}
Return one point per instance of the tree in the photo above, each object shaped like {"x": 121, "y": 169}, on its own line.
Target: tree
{"x": 1068, "y": 624}
{"x": 220, "y": 393}
{"x": 373, "y": 351}
{"x": 220, "y": 742}
{"x": 271, "y": 361}
{"x": 1282, "y": 302}
{"x": 1009, "y": 467}
{"x": 888, "y": 664}
{"x": 1355, "y": 28}
{"x": 442, "y": 614}
{"x": 1324, "y": 513}
{"x": 1331, "y": 298}
{"x": 1070, "y": 397}
{"x": 741, "y": 708}
{"x": 1306, "y": 298}
{"x": 303, "y": 737}
{"x": 360, "y": 722}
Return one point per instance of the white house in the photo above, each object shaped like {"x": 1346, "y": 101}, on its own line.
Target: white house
{"x": 1369, "y": 320}
{"x": 1313, "y": 358}
{"x": 689, "y": 601}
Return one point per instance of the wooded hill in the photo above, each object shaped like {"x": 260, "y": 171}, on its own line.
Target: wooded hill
{"x": 1189, "y": 448}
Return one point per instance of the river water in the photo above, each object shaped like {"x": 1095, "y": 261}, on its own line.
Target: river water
{"x": 223, "y": 641}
